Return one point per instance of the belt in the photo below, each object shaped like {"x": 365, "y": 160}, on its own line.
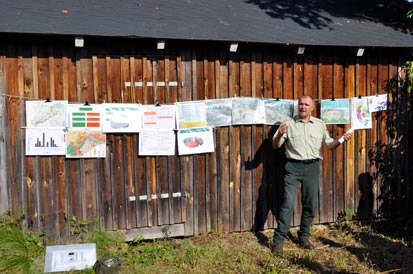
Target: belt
{"x": 309, "y": 161}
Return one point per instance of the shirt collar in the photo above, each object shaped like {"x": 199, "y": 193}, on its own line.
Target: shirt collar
{"x": 298, "y": 119}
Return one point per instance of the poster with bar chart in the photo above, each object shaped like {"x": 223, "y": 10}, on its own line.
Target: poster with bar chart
{"x": 40, "y": 141}
{"x": 85, "y": 116}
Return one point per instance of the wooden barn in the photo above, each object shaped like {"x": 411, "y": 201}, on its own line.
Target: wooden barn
{"x": 165, "y": 52}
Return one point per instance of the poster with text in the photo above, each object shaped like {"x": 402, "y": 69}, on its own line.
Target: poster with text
{"x": 335, "y": 111}
{"x": 195, "y": 141}
{"x": 83, "y": 143}
{"x": 158, "y": 117}
{"x": 247, "y": 110}
{"x": 360, "y": 114}
{"x": 46, "y": 114}
{"x": 44, "y": 141}
{"x": 122, "y": 118}
{"x": 157, "y": 142}
{"x": 219, "y": 112}
{"x": 377, "y": 102}
{"x": 85, "y": 116}
{"x": 277, "y": 111}
{"x": 191, "y": 114}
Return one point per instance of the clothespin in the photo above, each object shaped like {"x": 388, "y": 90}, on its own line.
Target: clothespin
{"x": 359, "y": 96}
{"x": 332, "y": 98}
{"x": 157, "y": 104}
{"x": 277, "y": 99}
{"x": 87, "y": 103}
{"x": 48, "y": 100}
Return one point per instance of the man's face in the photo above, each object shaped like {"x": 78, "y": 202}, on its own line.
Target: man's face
{"x": 305, "y": 106}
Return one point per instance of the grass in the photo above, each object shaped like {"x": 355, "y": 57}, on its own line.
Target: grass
{"x": 344, "y": 247}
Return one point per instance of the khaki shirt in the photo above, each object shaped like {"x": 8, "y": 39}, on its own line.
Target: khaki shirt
{"x": 303, "y": 141}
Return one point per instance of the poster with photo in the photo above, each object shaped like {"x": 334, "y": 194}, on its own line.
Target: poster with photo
{"x": 247, "y": 110}
{"x": 277, "y": 111}
{"x": 195, "y": 141}
{"x": 219, "y": 112}
{"x": 335, "y": 111}
{"x": 360, "y": 114}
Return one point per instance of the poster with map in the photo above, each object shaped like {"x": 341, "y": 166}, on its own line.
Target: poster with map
{"x": 219, "y": 112}
{"x": 335, "y": 111}
{"x": 46, "y": 114}
{"x": 277, "y": 111}
{"x": 377, "y": 102}
{"x": 85, "y": 144}
{"x": 122, "y": 118}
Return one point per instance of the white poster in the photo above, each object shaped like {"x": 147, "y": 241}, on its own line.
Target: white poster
{"x": 158, "y": 117}
{"x": 46, "y": 114}
{"x": 157, "y": 142}
{"x": 191, "y": 114}
{"x": 360, "y": 114}
{"x": 85, "y": 116}
{"x": 43, "y": 141}
{"x": 195, "y": 141}
{"x": 377, "y": 102}
{"x": 60, "y": 258}
{"x": 122, "y": 118}
{"x": 85, "y": 144}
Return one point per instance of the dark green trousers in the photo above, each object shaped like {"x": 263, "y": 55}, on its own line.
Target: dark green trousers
{"x": 308, "y": 175}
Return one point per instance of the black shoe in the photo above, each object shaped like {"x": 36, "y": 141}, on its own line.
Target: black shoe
{"x": 277, "y": 248}
{"x": 306, "y": 244}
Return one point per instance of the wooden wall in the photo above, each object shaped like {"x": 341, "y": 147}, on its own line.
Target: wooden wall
{"x": 236, "y": 188}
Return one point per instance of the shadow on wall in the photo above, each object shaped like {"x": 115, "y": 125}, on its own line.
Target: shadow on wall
{"x": 393, "y": 158}
{"x": 269, "y": 194}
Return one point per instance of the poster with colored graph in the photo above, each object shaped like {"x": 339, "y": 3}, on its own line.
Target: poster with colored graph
{"x": 191, "y": 114}
{"x": 335, "y": 111}
{"x": 42, "y": 141}
{"x": 85, "y": 116}
{"x": 360, "y": 114}
{"x": 46, "y": 114}
{"x": 377, "y": 102}
{"x": 84, "y": 143}
{"x": 122, "y": 118}
{"x": 195, "y": 141}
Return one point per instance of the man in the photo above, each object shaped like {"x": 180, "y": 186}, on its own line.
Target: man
{"x": 303, "y": 137}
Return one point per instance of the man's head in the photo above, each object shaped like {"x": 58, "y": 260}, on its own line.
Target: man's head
{"x": 305, "y": 106}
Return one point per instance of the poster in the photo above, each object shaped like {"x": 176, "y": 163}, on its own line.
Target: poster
{"x": 335, "y": 111}
{"x": 85, "y": 116}
{"x": 247, "y": 110}
{"x": 158, "y": 117}
{"x": 83, "y": 143}
{"x": 157, "y": 142}
{"x": 219, "y": 112}
{"x": 377, "y": 102}
{"x": 360, "y": 114}
{"x": 191, "y": 114}
{"x": 44, "y": 141}
{"x": 277, "y": 111}
{"x": 122, "y": 118}
{"x": 46, "y": 114}
{"x": 195, "y": 141}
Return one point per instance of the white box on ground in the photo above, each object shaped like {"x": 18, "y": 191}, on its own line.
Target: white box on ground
{"x": 69, "y": 257}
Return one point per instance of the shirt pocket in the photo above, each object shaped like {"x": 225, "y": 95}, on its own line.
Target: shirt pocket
{"x": 316, "y": 141}
{"x": 297, "y": 141}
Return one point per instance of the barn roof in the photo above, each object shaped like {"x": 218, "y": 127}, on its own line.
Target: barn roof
{"x": 301, "y": 22}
